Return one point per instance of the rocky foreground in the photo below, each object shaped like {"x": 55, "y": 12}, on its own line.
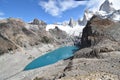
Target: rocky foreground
{"x": 22, "y": 42}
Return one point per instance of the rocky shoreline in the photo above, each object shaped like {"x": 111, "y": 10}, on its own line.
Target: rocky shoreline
{"x": 13, "y": 63}
{"x": 23, "y": 42}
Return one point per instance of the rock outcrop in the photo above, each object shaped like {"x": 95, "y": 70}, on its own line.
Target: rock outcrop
{"x": 61, "y": 37}
{"x": 59, "y": 34}
{"x": 99, "y": 35}
{"x": 39, "y": 22}
{"x": 96, "y": 30}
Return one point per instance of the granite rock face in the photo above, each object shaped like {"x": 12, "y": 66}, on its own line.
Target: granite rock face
{"x": 99, "y": 35}
{"x": 98, "y": 29}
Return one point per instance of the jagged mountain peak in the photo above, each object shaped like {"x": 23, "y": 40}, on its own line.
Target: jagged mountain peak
{"x": 87, "y": 15}
{"x": 108, "y": 11}
{"x": 107, "y": 6}
{"x": 71, "y": 22}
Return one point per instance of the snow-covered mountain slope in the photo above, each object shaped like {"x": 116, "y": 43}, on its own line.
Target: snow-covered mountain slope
{"x": 75, "y": 31}
{"x": 115, "y": 15}
{"x": 107, "y": 10}
{"x": 72, "y": 27}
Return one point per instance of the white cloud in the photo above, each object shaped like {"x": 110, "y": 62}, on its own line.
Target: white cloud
{"x": 50, "y": 7}
{"x": 56, "y": 7}
{"x": 94, "y": 5}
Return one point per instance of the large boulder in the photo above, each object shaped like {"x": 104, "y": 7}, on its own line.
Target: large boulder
{"x": 99, "y": 36}
{"x": 98, "y": 29}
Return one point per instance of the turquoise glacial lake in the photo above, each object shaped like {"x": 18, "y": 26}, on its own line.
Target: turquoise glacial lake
{"x": 52, "y": 57}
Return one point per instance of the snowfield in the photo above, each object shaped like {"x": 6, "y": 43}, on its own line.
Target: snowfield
{"x": 76, "y": 30}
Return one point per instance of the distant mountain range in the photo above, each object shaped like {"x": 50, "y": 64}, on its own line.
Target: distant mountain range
{"x": 73, "y": 27}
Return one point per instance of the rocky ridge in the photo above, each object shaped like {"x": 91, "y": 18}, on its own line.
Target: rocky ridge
{"x": 16, "y": 34}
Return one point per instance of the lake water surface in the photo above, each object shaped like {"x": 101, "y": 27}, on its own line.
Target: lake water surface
{"x": 52, "y": 57}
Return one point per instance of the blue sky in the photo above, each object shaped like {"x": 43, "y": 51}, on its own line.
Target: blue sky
{"x": 50, "y": 11}
{"x": 30, "y": 9}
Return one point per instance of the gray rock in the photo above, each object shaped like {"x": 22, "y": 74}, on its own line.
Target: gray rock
{"x": 72, "y": 23}
{"x": 107, "y": 7}
{"x": 97, "y": 30}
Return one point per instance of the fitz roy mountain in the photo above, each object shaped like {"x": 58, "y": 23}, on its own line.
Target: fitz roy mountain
{"x": 108, "y": 11}
{"x": 75, "y": 28}
{"x": 107, "y": 7}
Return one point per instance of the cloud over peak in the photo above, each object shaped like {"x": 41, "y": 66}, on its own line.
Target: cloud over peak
{"x": 57, "y": 7}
